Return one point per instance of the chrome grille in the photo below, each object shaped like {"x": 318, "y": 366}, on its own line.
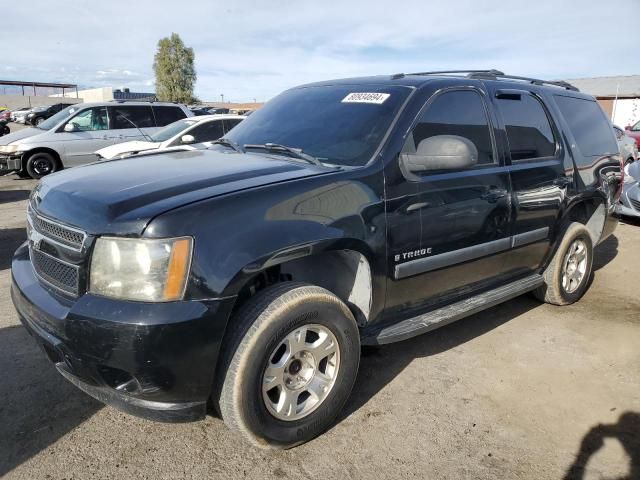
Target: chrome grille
{"x": 635, "y": 203}
{"x": 55, "y": 272}
{"x": 67, "y": 236}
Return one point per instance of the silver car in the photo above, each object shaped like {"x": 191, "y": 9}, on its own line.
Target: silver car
{"x": 628, "y": 146}
{"x": 629, "y": 204}
{"x": 72, "y": 136}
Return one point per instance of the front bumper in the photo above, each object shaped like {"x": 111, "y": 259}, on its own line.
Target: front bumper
{"x": 10, "y": 162}
{"x": 629, "y": 204}
{"x": 154, "y": 360}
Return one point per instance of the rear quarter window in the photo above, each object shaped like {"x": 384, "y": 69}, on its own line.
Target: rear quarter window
{"x": 167, "y": 114}
{"x": 589, "y": 126}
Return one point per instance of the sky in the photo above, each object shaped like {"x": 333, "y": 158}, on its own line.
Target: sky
{"x": 251, "y": 50}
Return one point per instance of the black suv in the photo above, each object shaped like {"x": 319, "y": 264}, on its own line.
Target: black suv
{"x": 40, "y": 114}
{"x": 343, "y": 213}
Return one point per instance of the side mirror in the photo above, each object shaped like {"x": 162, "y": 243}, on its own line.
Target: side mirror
{"x": 187, "y": 139}
{"x": 628, "y": 127}
{"x": 442, "y": 152}
{"x": 70, "y": 127}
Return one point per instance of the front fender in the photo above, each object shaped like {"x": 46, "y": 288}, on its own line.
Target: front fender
{"x": 240, "y": 234}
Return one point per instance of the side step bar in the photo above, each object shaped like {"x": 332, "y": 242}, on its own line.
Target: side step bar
{"x": 443, "y": 316}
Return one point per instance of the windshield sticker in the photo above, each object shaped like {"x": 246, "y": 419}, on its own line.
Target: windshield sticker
{"x": 363, "y": 97}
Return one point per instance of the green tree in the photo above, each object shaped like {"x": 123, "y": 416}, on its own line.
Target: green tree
{"x": 175, "y": 72}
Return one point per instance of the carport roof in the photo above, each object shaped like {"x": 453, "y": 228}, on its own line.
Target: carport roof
{"x": 609, "y": 87}
{"x": 19, "y": 83}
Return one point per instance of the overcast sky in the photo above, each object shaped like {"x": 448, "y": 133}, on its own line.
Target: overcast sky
{"x": 248, "y": 49}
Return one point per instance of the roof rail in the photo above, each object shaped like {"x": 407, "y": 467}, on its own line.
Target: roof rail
{"x": 493, "y": 74}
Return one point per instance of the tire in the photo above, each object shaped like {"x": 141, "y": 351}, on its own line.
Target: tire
{"x": 564, "y": 285}
{"x": 248, "y": 395}
{"x": 629, "y": 161}
{"x": 38, "y": 121}
{"x": 41, "y": 164}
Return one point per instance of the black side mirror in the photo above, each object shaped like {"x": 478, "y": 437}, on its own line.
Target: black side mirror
{"x": 442, "y": 152}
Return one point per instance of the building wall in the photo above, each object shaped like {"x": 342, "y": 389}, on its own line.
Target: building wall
{"x": 19, "y": 101}
{"x": 102, "y": 94}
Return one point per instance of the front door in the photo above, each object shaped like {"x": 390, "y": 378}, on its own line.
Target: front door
{"x": 448, "y": 230}
{"x": 90, "y": 133}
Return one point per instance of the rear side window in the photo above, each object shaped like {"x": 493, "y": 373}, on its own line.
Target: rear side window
{"x": 528, "y": 129}
{"x": 167, "y": 115}
{"x": 229, "y": 124}
{"x": 131, "y": 116}
{"x": 460, "y": 113}
{"x": 589, "y": 125}
{"x": 207, "y": 132}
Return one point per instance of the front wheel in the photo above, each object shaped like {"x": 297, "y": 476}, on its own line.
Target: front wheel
{"x": 290, "y": 363}
{"x": 566, "y": 278}
{"x": 41, "y": 164}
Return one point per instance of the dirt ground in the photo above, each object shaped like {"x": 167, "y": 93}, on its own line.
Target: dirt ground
{"x": 523, "y": 391}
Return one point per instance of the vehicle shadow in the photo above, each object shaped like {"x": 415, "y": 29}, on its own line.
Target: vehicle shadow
{"x": 37, "y": 406}
{"x": 7, "y": 196}
{"x": 10, "y": 240}
{"x": 380, "y": 365}
{"x": 605, "y": 252}
{"x": 626, "y": 431}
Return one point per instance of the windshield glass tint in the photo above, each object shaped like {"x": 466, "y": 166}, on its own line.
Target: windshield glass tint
{"x": 338, "y": 124}
{"x": 58, "y": 117}
{"x": 171, "y": 130}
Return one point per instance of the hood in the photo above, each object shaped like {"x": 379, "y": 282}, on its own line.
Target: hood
{"x": 114, "y": 151}
{"x": 120, "y": 197}
{"x": 20, "y": 135}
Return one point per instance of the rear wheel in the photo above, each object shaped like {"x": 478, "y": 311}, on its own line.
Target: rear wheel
{"x": 41, "y": 164}
{"x": 567, "y": 276}
{"x": 290, "y": 364}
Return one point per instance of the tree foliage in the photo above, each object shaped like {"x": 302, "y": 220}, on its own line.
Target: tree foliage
{"x": 175, "y": 72}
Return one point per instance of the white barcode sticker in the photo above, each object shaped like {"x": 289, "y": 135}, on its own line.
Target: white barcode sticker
{"x": 364, "y": 97}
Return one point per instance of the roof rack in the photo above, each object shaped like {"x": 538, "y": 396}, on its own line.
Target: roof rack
{"x": 493, "y": 74}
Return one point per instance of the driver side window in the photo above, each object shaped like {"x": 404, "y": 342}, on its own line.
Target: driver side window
{"x": 460, "y": 113}
{"x": 90, "y": 120}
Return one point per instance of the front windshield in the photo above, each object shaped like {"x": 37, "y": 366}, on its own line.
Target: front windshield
{"x": 58, "y": 117}
{"x": 172, "y": 130}
{"x": 338, "y": 124}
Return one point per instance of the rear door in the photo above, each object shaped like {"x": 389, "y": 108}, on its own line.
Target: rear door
{"x": 539, "y": 183}
{"x": 447, "y": 230}
{"x": 130, "y": 122}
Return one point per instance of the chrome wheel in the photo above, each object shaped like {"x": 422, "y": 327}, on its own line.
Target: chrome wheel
{"x": 300, "y": 372}
{"x": 574, "y": 266}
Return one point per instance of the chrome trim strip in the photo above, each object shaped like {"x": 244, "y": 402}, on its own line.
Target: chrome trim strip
{"x": 529, "y": 237}
{"x": 426, "y": 264}
{"x": 49, "y": 238}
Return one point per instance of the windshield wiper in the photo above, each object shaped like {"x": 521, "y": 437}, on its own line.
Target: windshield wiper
{"x": 229, "y": 143}
{"x": 294, "y": 152}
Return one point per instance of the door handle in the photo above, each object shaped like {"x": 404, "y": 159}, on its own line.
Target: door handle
{"x": 105, "y": 137}
{"x": 417, "y": 206}
{"x": 493, "y": 194}
{"x": 563, "y": 181}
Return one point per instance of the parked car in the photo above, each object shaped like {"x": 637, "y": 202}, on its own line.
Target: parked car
{"x": 634, "y": 132}
{"x": 628, "y": 146}
{"x": 4, "y": 128}
{"x": 187, "y": 131}
{"x": 5, "y": 115}
{"x": 342, "y": 213}
{"x": 20, "y": 116}
{"x": 218, "y": 111}
{"x": 72, "y": 136}
{"x": 19, "y": 111}
{"x": 37, "y": 115}
{"x": 198, "y": 111}
{"x": 629, "y": 204}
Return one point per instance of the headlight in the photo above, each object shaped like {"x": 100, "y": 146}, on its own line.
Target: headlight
{"x": 147, "y": 270}
{"x": 9, "y": 148}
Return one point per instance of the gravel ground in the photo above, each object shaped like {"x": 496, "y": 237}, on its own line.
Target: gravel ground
{"x": 523, "y": 390}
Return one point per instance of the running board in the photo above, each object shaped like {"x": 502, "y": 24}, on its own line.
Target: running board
{"x": 443, "y": 316}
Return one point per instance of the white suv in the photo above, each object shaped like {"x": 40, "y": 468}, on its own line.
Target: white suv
{"x": 72, "y": 136}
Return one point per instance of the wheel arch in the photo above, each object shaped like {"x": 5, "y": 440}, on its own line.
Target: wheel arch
{"x": 344, "y": 268}
{"x": 26, "y": 155}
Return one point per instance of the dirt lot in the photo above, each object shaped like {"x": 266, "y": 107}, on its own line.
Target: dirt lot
{"x": 515, "y": 392}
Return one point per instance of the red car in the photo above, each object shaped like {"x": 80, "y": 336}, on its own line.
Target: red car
{"x": 634, "y": 132}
